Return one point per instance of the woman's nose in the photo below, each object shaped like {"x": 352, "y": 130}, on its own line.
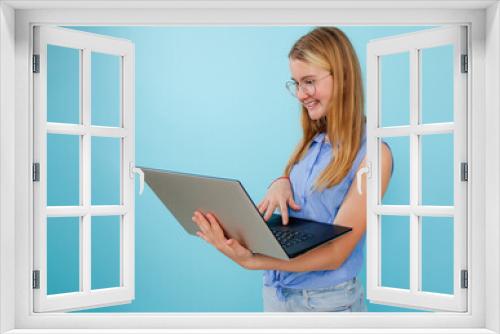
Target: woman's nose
{"x": 300, "y": 94}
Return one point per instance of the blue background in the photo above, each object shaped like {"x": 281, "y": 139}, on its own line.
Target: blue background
{"x": 211, "y": 100}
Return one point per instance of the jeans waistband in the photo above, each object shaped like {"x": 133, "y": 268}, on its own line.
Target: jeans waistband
{"x": 283, "y": 292}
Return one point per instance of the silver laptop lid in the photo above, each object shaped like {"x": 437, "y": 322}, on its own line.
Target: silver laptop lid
{"x": 183, "y": 194}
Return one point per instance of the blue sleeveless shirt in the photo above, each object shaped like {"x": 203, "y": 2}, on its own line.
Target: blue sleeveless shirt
{"x": 322, "y": 207}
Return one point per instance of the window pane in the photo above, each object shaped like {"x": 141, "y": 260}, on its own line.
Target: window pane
{"x": 437, "y": 169}
{"x": 436, "y": 84}
{"x": 437, "y": 254}
{"x": 106, "y": 166}
{"x": 63, "y": 170}
{"x": 106, "y": 89}
{"x": 395, "y": 234}
{"x": 106, "y": 252}
{"x": 63, "y": 254}
{"x": 398, "y": 191}
{"x": 395, "y": 90}
{"x": 63, "y": 84}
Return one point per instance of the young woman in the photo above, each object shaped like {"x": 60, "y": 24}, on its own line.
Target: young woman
{"x": 319, "y": 183}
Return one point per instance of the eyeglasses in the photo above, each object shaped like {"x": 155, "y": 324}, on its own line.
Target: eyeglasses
{"x": 307, "y": 86}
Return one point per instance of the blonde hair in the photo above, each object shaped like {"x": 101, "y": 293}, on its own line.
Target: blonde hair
{"x": 344, "y": 123}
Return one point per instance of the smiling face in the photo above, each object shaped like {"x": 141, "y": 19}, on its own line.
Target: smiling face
{"x": 313, "y": 76}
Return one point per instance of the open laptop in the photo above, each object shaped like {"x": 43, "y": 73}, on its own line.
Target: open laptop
{"x": 184, "y": 193}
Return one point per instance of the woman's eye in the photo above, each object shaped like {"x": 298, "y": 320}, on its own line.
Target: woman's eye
{"x": 309, "y": 82}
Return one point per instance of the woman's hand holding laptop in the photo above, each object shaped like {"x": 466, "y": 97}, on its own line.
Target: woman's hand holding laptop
{"x": 212, "y": 232}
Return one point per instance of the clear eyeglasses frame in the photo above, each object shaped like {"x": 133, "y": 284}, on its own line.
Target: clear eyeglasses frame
{"x": 308, "y": 86}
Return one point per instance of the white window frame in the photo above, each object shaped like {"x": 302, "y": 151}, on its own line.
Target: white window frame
{"x": 85, "y": 43}
{"x": 412, "y": 44}
{"x": 16, "y": 21}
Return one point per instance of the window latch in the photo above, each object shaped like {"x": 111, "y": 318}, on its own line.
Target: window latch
{"x": 134, "y": 170}
{"x": 365, "y": 170}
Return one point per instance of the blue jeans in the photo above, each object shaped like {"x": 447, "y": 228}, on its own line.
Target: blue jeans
{"x": 347, "y": 296}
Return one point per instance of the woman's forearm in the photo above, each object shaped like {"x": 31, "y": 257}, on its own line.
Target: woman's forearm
{"x": 317, "y": 259}
{"x": 329, "y": 256}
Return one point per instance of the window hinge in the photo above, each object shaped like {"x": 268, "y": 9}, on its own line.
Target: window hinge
{"x": 36, "y": 172}
{"x": 464, "y": 279}
{"x": 36, "y": 63}
{"x": 464, "y": 171}
{"x": 36, "y": 279}
{"x": 465, "y": 64}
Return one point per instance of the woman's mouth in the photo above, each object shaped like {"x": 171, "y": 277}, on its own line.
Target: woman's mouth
{"x": 310, "y": 104}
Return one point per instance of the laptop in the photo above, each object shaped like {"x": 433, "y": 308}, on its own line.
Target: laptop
{"x": 185, "y": 193}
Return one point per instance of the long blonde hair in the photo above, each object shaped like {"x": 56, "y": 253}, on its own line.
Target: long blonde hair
{"x": 344, "y": 123}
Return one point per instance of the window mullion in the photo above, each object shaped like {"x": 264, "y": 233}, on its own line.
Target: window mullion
{"x": 415, "y": 163}
{"x": 460, "y": 155}
{"x": 86, "y": 178}
{"x": 78, "y": 129}
{"x": 40, "y": 154}
{"x": 127, "y": 271}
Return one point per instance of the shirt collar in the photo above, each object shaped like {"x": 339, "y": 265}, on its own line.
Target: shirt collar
{"x": 319, "y": 137}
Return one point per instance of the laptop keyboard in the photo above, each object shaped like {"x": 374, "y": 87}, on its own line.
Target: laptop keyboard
{"x": 290, "y": 238}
